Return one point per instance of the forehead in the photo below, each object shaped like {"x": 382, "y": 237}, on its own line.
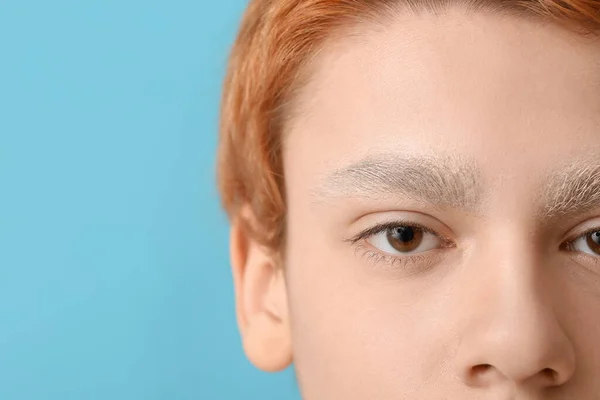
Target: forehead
{"x": 512, "y": 94}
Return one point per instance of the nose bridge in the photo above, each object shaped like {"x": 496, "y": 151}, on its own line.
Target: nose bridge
{"x": 508, "y": 326}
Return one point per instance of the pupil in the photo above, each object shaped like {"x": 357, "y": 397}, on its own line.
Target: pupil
{"x": 406, "y": 233}
{"x": 596, "y": 237}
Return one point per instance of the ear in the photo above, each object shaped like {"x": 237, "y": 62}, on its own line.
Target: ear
{"x": 261, "y": 298}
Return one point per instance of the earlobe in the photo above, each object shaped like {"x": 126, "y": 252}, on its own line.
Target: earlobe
{"x": 261, "y": 300}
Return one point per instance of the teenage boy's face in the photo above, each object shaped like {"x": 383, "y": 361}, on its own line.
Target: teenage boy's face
{"x": 443, "y": 232}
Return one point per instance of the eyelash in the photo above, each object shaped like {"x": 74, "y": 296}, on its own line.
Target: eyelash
{"x": 377, "y": 257}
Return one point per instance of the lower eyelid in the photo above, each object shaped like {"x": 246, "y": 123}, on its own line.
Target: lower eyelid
{"x": 586, "y": 261}
{"x": 408, "y": 263}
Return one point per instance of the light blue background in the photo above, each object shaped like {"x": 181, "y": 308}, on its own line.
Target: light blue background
{"x": 114, "y": 277}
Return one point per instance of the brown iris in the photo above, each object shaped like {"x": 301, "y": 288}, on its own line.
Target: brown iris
{"x": 408, "y": 238}
{"x": 593, "y": 240}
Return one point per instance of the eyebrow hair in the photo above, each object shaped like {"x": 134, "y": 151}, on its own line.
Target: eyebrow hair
{"x": 574, "y": 188}
{"x": 441, "y": 182}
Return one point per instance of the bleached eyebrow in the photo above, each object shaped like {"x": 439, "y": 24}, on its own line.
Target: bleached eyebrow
{"x": 444, "y": 182}
{"x": 574, "y": 188}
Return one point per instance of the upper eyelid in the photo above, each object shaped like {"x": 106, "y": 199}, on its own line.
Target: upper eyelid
{"x": 382, "y": 227}
{"x": 379, "y": 227}
{"x": 588, "y": 231}
{"x": 578, "y": 235}
{"x": 375, "y": 229}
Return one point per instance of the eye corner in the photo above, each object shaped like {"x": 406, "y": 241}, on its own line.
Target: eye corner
{"x": 587, "y": 242}
{"x": 448, "y": 243}
{"x": 567, "y": 245}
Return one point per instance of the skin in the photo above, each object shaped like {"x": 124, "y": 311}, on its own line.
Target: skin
{"x": 474, "y": 126}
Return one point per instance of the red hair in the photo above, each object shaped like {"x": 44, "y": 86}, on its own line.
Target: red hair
{"x": 276, "y": 40}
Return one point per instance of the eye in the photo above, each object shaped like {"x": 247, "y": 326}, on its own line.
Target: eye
{"x": 588, "y": 243}
{"x": 405, "y": 239}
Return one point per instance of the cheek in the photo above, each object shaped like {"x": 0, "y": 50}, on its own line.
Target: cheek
{"x": 349, "y": 327}
{"x": 578, "y": 305}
